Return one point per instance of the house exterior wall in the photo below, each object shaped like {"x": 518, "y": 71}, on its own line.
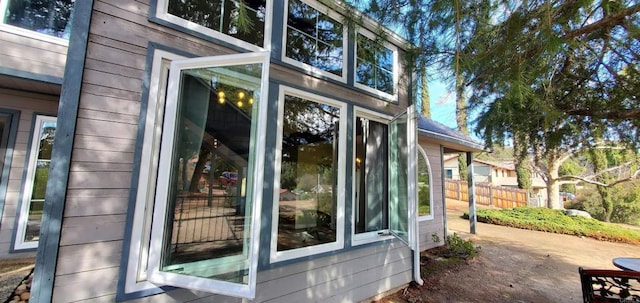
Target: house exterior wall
{"x": 31, "y": 73}
{"x": 90, "y": 249}
{"x": 28, "y": 55}
{"x": 435, "y": 225}
{"x": 25, "y": 105}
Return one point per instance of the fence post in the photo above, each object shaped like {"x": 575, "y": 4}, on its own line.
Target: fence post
{"x": 490, "y": 194}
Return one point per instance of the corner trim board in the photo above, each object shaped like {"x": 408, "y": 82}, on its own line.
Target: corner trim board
{"x": 50, "y": 231}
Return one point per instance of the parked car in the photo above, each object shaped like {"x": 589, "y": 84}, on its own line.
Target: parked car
{"x": 228, "y": 178}
{"x": 564, "y": 196}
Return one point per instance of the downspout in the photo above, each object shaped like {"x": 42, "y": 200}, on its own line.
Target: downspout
{"x": 444, "y": 192}
{"x": 413, "y": 215}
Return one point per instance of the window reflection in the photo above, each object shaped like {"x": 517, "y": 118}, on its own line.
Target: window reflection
{"x": 208, "y": 224}
{"x": 47, "y": 17}
{"x": 307, "y": 206}
{"x": 314, "y": 38}
{"x": 240, "y": 19}
{"x": 424, "y": 197}
{"x": 47, "y": 130}
{"x": 371, "y": 212}
{"x": 374, "y": 67}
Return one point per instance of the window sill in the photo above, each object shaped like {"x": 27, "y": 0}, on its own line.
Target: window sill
{"x": 33, "y": 35}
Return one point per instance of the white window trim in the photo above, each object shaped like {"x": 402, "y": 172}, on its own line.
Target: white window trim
{"x": 275, "y": 255}
{"x": 156, "y": 246}
{"x": 372, "y": 236}
{"x": 136, "y": 273}
{"x": 380, "y": 94}
{"x": 162, "y": 14}
{"x": 314, "y": 70}
{"x": 27, "y": 32}
{"x": 430, "y": 215}
{"x": 27, "y": 189}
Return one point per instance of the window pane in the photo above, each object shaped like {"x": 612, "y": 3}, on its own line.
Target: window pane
{"x": 384, "y": 81}
{"x": 5, "y": 125}
{"x": 34, "y": 219}
{"x": 398, "y": 178}
{"x": 39, "y": 166}
{"x": 314, "y": 38}
{"x": 424, "y": 198}
{"x": 47, "y": 17}
{"x": 245, "y": 22}
{"x": 371, "y": 176}
{"x": 208, "y": 223}
{"x": 46, "y": 140}
{"x": 374, "y": 67}
{"x": 300, "y": 47}
{"x": 365, "y": 73}
{"x": 307, "y": 206}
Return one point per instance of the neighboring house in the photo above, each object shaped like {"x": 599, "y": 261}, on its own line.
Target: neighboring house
{"x": 158, "y": 100}
{"x": 497, "y": 174}
{"x": 34, "y": 38}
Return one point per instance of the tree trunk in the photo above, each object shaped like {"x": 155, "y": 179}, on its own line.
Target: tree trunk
{"x": 553, "y": 185}
{"x": 426, "y": 100}
{"x": 461, "y": 107}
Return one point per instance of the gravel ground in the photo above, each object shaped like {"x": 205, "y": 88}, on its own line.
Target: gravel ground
{"x": 12, "y": 272}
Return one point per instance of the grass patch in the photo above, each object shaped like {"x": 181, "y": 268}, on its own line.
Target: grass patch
{"x": 555, "y": 221}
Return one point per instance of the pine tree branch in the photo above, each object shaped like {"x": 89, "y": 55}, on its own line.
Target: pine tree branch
{"x": 603, "y": 23}
{"x": 599, "y": 114}
{"x": 614, "y": 183}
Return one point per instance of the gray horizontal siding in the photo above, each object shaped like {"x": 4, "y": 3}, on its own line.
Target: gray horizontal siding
{"x": 27, "y": 104}
{"x": 434, "y": 226}
{"x": 23, "y": 53}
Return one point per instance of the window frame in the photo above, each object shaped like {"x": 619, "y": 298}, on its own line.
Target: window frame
{"x": 322, "y": 9}
{"x": 162, "y": 13}
{"x": 411, "y": 239}
{"x": 27, "y": 186}
{"x": 380, "y": 94}
{"x": 372, "y": 236}
{"x": 278, "y": 256}
{"x": 136, "y": 271}
{"x": 423, "y": 153}
{"x": 166, "y": 155}
{"x": 146, "y": 228}
{"x": 27, "y": 32}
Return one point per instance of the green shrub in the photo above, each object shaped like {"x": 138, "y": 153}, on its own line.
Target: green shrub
{"x": 461, "y": 248}
{"x": 550, "y": 220}
{"x": 626, "y": 203}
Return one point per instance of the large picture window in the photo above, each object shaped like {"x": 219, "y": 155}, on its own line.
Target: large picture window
{"x": 314, "y": 39}
{"x": 244, "y": 20}
{"x": 310, "y": 192}
{"x": 376, "y": 66}
{"x": 52, "y": 18}
{"x": 205, "y": 230}
{"x": 35, "y": 183}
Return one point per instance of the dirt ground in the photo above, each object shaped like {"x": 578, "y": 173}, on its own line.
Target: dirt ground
{"x": 515, "y": 265}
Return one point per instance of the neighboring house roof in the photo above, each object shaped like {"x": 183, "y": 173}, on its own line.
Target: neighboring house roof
{"x": 508, "y": 165}
{"x": 451, "y": 139}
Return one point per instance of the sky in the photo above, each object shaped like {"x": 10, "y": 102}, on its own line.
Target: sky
{"x": 443, "y": 104}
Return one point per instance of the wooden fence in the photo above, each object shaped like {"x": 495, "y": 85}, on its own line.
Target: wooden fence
{"x": 486, "y": 194}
